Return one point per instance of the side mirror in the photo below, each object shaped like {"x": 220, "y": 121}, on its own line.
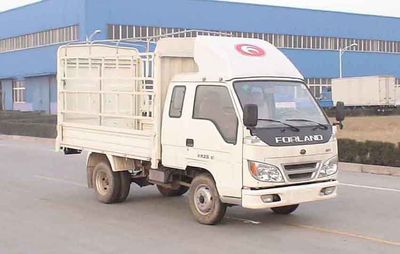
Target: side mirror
{"x": 340, "y": 113}
{"x": 250, "y": 115}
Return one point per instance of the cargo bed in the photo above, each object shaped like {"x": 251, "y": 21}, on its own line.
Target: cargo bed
{"x": 106, "y": 100}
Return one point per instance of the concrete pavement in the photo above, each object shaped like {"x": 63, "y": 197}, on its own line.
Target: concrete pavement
{"x": 45, "y": 207}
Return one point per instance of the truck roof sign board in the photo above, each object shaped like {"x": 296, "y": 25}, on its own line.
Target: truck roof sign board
{"x": 228, "y": 58}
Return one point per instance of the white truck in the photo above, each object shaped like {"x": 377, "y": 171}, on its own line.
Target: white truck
{"x": 229, "y": 119}
{"x": 370, "y": 91}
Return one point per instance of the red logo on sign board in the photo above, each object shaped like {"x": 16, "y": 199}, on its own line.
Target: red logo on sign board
{"x": 250, "y": 50}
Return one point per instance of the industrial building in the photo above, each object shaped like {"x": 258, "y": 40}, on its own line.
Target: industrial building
{"x": 313, "y": 40}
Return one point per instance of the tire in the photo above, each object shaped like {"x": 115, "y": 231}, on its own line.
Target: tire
{"x": 168, "y": 192}
{"x": 285, "y": 210}
{"x": 125, "y": 185}
{"x": 106, "y": 183}
{"x": 204, "y": 200}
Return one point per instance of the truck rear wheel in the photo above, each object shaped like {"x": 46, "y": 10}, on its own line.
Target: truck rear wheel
{"x": 285, "y": 210}
{"x": 125, "y": 185}
{"x": 170, "y": 192}
{"x": 107, "y": 184}
{"x": 204, "y": 200}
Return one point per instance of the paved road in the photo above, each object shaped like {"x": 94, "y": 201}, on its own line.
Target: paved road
{"x": 45, "y": 207}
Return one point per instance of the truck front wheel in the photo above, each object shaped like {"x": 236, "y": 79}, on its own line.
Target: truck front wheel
{"x": 285, "y": 210}
{"x": 204, "y": 200}
{"x": 170, "y": 192}
{"x": 107, "y": 184}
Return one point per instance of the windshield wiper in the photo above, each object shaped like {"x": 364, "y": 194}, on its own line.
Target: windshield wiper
{"x": 319, "y": 125}
{"x": 294, "y": 128}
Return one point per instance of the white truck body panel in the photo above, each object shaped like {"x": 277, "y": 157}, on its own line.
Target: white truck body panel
{"x": 220, "y": 58}
{"x": 397, "y": 92}
{"x": 366, "y": 91}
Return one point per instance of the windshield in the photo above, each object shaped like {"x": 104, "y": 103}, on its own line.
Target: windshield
{"x": 280, "y": 102}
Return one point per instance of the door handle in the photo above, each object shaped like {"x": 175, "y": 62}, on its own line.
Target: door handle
{"x": 189, "y": 142}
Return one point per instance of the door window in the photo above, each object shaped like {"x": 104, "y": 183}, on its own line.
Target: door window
{"x": 178, "y": 96}
{"x": 213, "y": 103}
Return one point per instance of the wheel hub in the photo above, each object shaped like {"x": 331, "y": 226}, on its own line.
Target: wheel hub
{"x": 203, "y": 199}
{"x": 102, "y": 183}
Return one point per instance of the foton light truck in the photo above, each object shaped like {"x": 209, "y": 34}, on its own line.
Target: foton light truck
{"x": 228, "y": 119}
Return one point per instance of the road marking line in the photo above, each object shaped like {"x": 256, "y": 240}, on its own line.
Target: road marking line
{"x": 245, "y": 220}
{"x": 336, "y": 232}
{"x": 369, "y": 187}
{"x": 60, "y": 180}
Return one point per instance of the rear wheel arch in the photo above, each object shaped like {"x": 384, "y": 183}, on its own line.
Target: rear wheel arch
{"x": 124, "y": 182}
{"x": 92, "y": 160}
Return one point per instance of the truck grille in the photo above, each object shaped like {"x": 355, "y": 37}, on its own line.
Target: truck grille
{"x": 301, "y": 172}
{"x": 300, "y": 166}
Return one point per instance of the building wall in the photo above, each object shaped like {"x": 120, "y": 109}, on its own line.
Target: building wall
{"x": 38, "y": 93}
{"x": 7, "y": 94}
{"x": 223, "y": 16}
{"x": 29, "y": 62}
{"x": 219, "y": 15}
{"x": 97, "y": 14}
{"x": 326, "y": 63}
{"x": 38, "y": 65}
{"x": 42, "y": 16}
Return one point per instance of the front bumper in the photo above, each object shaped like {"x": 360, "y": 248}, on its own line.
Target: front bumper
{"x": 288, "y": 195}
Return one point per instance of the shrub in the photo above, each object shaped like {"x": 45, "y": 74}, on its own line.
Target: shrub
{"x": 369, "y": 152}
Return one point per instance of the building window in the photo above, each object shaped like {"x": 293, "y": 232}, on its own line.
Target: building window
{"x": 39, "y": 39}
{"x": 397, "y": 82}
{"x": 19, "y": 91}
{"x": 120, "y": 32}
{"x": 318, "y": 86}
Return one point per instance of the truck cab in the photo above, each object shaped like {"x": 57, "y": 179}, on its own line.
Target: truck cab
{"x": 285, "y": 155}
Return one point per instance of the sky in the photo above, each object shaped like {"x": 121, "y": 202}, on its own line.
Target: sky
{"x": 375, "y": 7}
{"x": 9, "y": 4}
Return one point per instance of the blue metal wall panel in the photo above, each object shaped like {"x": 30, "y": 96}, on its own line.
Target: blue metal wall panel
{"x": 38, "y": 93}
{"x": 206, "y": 14}
{"x": 186, "y": 13}
{"x": 41, "y": 16}
{"x": 325, "y": 64}
{"x": 28, "y": 62}
{"x": 198, "y": 14}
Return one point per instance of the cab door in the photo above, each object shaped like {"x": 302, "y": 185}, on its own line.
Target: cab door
{"x": 174, "y": 123}
{"x": 213, "y": 139}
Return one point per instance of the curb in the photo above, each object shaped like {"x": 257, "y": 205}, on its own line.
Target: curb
{"x": 50, "y": 141}
{"x": 371, "y": 169}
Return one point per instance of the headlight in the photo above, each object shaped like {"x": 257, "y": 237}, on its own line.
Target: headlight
{"x": 330, "y": 167}
{"x": 266, "y": 172}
